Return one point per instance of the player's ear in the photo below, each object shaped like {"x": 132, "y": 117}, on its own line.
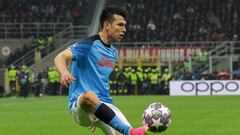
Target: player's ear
{"x": 106, "y": 25}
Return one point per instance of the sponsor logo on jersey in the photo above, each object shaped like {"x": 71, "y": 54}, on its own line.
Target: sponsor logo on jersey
{"x": 106, "y": 63}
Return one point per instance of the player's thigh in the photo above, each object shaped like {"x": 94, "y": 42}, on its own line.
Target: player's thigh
{"x": 80, "y": 116}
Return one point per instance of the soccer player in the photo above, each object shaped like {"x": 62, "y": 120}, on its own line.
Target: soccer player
{"x": 93, "y": 59}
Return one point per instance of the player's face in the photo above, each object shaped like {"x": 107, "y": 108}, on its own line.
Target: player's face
{"x": 117, "y": 28}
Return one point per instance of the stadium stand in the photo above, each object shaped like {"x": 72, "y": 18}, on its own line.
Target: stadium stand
{"x": 186, "y": 20}
{"x": 34, "y": 20}
{"x": 22, "y": 11}
{"x": 210, "y": 28}
{"x": 171, "y": 20}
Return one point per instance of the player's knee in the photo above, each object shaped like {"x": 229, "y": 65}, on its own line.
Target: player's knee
{"x": 88, "y": 101}
{"x": 89, "y": 96}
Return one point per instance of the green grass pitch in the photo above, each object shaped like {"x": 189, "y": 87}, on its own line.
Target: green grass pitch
{"x": 197, "y": 115}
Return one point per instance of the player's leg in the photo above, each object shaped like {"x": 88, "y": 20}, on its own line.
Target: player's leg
{"x": 133, "y": 131}
{"x": 91, "y": 104}
{"x": 86, "y": 120}
{"x": 106, "y": 128}
{"x": 80, "y": 116}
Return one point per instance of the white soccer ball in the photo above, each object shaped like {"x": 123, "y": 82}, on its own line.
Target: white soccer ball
{"x": 157, "y": 117}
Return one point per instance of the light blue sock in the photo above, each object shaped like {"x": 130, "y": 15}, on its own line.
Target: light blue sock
{"x": 108, "y": 116}
{"x": 119, "y": 125}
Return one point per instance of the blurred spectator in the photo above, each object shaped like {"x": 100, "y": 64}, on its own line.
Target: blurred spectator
{"x": 121, "y": 80}
{"x": 188, "y": 76}
{"x": 56, "y": 86}
{"x": 166, "y": 77}
{"x": 151, "y": 25}
{"x": 197, "y": 75}
{"x": 139, "y": 80}
{"x": 133, "y": 82}
{"x": 36, "y": 82}
{"x": 23, "y": 78}
{"x": 51, "y": 81}
{"x": 223, "y": 75}
{"x": 12, "y": 75}
{"x": 146, "y": 81}
{"x": 154, "y": 81}
{"x": 2, "y": 91}
{"x": 180, "y": 74}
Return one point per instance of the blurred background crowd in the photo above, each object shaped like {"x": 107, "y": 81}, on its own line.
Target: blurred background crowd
{"x": 154, "y": 20}
{"x": 147, "y": 22}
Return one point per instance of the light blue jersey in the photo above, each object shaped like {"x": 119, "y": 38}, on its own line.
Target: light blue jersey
{"x": 92, "y": 63}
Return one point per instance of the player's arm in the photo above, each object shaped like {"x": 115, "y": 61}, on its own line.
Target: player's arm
{"x": 61, "y": 64}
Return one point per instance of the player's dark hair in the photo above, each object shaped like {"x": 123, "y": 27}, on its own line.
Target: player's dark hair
{"x": 108, "y": 13}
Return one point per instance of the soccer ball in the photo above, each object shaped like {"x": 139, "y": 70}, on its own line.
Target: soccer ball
{"x": 157, "y": 117}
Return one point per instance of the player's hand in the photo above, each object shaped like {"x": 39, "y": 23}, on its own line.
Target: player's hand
{"x": 92, "y": 128}
{"x": 66, "y": 79}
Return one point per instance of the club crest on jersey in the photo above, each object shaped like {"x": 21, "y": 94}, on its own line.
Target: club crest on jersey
{"x": 106, "y": 63}
{"x": 96, "y": 49}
